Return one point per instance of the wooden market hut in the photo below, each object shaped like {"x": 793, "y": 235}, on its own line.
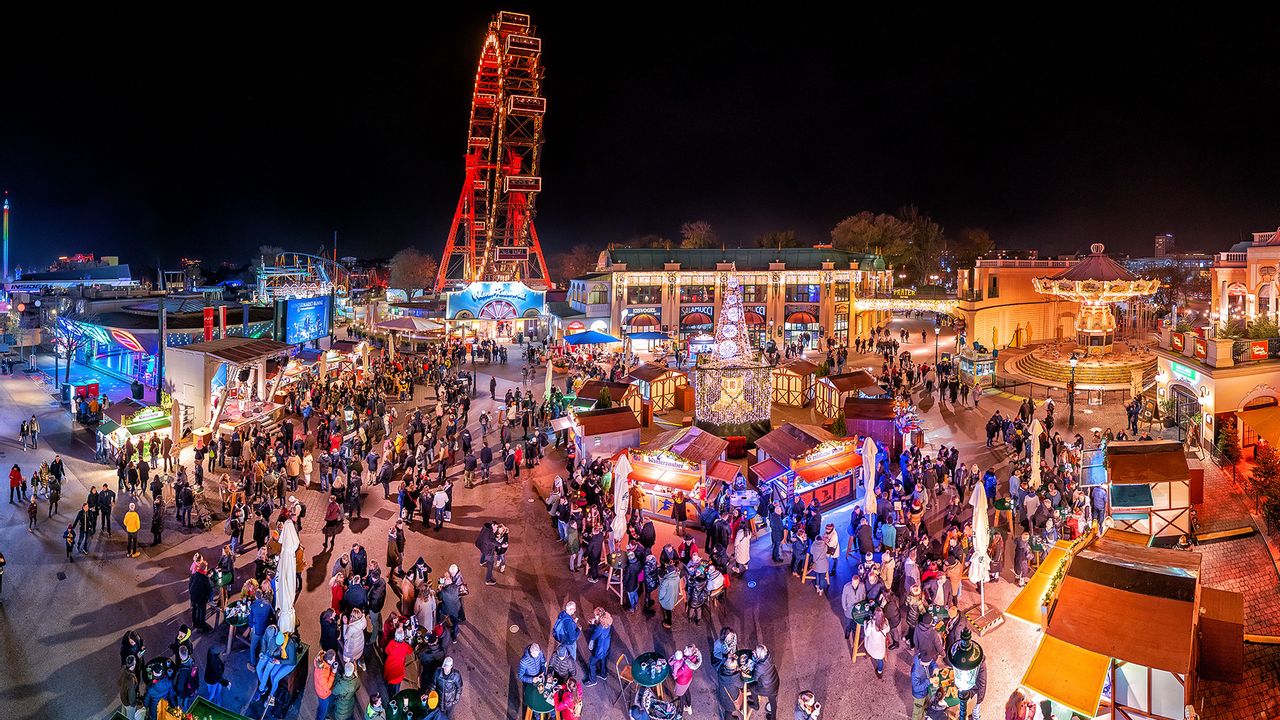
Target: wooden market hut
{"x": 793, "y": 383}
{"x": 626, "y": 394}
{"x": 832, "y": 390}
{"x": 787, "y": 466}
{"x": 1128, "y": 631}
{"x": 658, "y": 385}
{"x": 602, "y": 433}
{"x": 1151, "y": 489}
{"x": 875, "y": 418}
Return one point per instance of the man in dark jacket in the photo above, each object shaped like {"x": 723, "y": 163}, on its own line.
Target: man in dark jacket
{"x": 486, "y": 542}
{"x": 927, "y": 641}
{"x": 83, "y": 526}
{"x": 200, "y": 590}
{"x": 359, "y": 560}
{"x": 451, "y": 608}
{"x": 766, "y": 681}
{"x": 648, "y": 536}
{"x": 448, "y": 683}
{"x": 777, "y": 531}
{"x": 566, "y": 630}
{"x": 106, "y": 499}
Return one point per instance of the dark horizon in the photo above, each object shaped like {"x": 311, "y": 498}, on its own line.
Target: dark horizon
{"x": 150, "y": 133}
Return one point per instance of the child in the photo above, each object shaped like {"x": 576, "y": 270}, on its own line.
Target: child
{"x": 70, "y": 537}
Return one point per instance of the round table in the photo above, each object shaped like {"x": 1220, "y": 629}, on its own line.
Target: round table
{"x": 642, "y": 670}
{"x": 417, "y": 709}
{"x": 938, "y": 612}
{"x": 236, "y": 616}
{"x": 535, "y": 703}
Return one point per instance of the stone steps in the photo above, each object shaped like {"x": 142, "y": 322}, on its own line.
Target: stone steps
{"x": 1085, "y": 374}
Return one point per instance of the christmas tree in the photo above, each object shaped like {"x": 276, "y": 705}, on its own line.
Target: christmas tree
{"x": 731, "y": 326}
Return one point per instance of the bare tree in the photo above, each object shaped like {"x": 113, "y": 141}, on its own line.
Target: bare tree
{"x": 779, "y": 239}
{"x": 412, "y": 269}
{"x": 577, "y": 260}
{"x": 697, "y": 234}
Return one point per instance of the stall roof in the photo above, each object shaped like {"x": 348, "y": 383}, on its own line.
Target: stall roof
{"x": 1131, "y": 603}
{"x": 106, "y": 427}
{"x": 693, "y": 444}
{"x": 642, "y": 471}
{"x": 611, "y": 420}
{"x": 769, "y": 469}
{"x": 1142, "y": 462}
{"x": 649, "y": 372}
{"x": 856, "y": 408}
{"x": 591, "y": 389}
{"x": 724, "y": 470}
{"x": 798, "y": 367}
{"x": 238, "y": 350}
{"x": 792, "y": 440}
{"x": 851, "y": 381}
{"x": 1068, "y": 674}
{"x": 120, "y": 408}
{"x": 1026, "y": 606}
{"x": 343, "y": 346}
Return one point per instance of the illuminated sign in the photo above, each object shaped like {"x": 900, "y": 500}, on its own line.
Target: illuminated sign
{"x": 495, "y": 300}
{"x": 511, "y": 254}
{"x": 1202, "y": 348}
{"x": 302, "y": 320}
{"x": 127, "y": 340}
{"x": 146, "y": 414}
{"x": 575, "y": 326}
{"x": 1183, "y": 371}
{"x": 522, "y": 183}
{"x": 1179, "y": 342}
{"x": 1258, "y": 350}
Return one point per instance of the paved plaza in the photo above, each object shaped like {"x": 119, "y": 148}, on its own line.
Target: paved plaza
{"x": 63, "y": 621}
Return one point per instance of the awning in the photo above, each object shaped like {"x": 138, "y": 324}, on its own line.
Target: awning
{"x": 1264, "y": 421}
{"x": 663, "y": 476}
{"x": 802, "y": 318}
{"x": 642, "y": 320}
{"x": 649, "y": 336}
{"x": 1128, "y": 536}
{"x": 1026, "y": 606}
{"x": 813, "y": 472}
{"x": 1068, "y": 675}
{"x": 752, "y": 318}
{"x": 1131, "y": 497}
{"x": 696, "y": 318}
{"x": 768, "y": 470}
{"x": 106, "y": 427}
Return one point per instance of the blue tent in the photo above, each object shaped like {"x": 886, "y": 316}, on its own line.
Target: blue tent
{"x": 649, "y": 336}
{"x": 590, "y": 337}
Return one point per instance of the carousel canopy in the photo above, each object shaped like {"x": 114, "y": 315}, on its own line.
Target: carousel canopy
{"x": 409, "y": 323}
{"x": 590, "y": 337}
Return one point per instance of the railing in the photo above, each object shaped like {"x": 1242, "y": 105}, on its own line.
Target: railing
{"x": 1263, "y": 237}
{"x": 1025, "y": 263}
{"x": 1232, "y": 257}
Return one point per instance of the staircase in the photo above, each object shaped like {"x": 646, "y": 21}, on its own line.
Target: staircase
{"x": 1086, "y": 374}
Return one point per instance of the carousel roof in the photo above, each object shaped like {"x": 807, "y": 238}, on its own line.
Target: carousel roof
{"x": 1096, "y": 267}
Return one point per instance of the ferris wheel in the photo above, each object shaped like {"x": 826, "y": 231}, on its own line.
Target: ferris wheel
{"x": 492, "y": 237}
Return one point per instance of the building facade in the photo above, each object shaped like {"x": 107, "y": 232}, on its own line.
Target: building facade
{"x": 1001, "y": 308}
{"x": 1245, "y": 285}
{"x": 789, "y": 295}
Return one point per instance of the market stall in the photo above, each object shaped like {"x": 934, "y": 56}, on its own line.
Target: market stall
{"x": 832, "y": 390}
{"x": 658, "y": 385}
{"x": 601, "y": 433}
{"x": 884, "y": 420}
{"x": 1151, "y": 488}
{"x": 793, "y": 383}
{"x": 129, "y": 419}
{"x": 620, "y": 394}
{"x": 808, "y": 463}
{"x": 693, "y": 444}
{"x": 223, "y": 384}
{"x": 977, "y": 369}
{"x": 733, "y": 487}
{"x": 1128, "y": 632}
{"x": 661, "y": 474}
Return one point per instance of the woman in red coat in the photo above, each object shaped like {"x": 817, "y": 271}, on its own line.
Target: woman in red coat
{"x": 337, "y": 588}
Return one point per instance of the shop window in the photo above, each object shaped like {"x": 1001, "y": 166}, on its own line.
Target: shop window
{"x": 599, "y": 295}
{"x": 697, "y": 293}
{"x": 841, "y": 292}
{"x": 644, "y": 295}
{"x": 755, "y": 293}
{"x": 803, "y": 293}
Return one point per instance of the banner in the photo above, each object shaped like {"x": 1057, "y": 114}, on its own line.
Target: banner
{"x": 222, "y": 321}
{"x": 1179, "y": 342}
{"x": 208, "y": 324}
{"x": 1258, "y": 350}
{"x": 1202, "y": 348}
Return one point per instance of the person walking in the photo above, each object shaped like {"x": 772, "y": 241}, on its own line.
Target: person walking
{"x": 83, "y": 527}
{"x": 875, "y": 640}
{"x": 106, "y": 500}
{"x": 448, "y": 685}
{"x": 33, "y": 430}
{"x": 33, "y": 512}
{"x": 3, "y": 562}
{"x": 70, "y": 537}
{"x": 15, "y": 483}
{"x": 598, "y": 643}
{"x": 157, "y": 521}
{"x": 132, "y": 524}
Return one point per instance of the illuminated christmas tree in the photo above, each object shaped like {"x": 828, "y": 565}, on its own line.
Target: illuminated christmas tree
{"x": 733, "y": 393}
{"x": 731, "y": 326}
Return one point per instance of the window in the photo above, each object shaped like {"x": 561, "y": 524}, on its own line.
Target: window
{"x": 697, "y": 293}
{"x": 644, "y": 295}
{"x": 803, "y": 292}
{"x": 755, "y": 293}
{"x": 599, "y": 295}
{"x": 842, "y": 319}
{"x": 993, "y": 287}
{"x": 841, "y": 291}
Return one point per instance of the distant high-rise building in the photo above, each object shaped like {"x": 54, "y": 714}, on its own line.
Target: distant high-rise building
{"x": 1164, "y": 244}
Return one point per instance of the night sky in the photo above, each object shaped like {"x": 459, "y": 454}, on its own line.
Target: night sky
{"x": 152, "y": 136}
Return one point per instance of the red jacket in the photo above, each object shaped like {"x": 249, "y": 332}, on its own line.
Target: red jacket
{"x": 393, "y": 666}
{"x": 15, "y": 478}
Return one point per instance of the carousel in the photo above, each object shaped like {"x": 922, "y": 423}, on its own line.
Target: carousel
{"x": 1094, "y": 360}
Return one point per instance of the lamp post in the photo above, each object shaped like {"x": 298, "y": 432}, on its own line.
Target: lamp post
{"x": 937, "y": 326}
{"x": 1071, "y": 394}
{"x": 967, "y": 658}
{"x": 1213, "y": 324}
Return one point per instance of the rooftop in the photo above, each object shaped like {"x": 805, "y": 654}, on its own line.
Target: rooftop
{"x": 743, "y": 258}
{"x": 237, "y": 349}
{"x": 1096, "y": 266}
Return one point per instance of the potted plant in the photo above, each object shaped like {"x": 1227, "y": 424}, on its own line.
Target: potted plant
{"x": 1168, "y": 408}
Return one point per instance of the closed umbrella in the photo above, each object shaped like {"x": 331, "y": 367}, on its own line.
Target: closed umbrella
{"x": 869, "y": 451}
{"x": 286, "y": 577}
{"x": 621, "y": 498}
{"x": 1036, "y": 429}
{"x": 980, "y": 566}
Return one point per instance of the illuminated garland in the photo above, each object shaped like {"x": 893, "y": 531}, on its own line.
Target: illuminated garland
{"x": 823, "y": 449}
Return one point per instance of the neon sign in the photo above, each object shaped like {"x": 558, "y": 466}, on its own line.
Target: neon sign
{"x": 1183, "y": 371}
{"x": 127, "y": 340}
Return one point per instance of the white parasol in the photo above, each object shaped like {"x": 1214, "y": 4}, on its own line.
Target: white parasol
{"x": 1036, "y": 429}
{"x": 286, "y": 577}
{"x": 980, "y": 565}
{"x": 869, "y": 451}
{"x": 621, "y": 496}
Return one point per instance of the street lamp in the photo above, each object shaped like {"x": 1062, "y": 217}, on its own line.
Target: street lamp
{"x": 966, "y": 657}
{"x": 1071, "y": 394}
{"x": 1213, "y": 323}
{"x": 937, "y": 326}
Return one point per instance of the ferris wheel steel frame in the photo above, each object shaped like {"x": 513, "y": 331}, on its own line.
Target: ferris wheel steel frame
{"x": 492, "y": 237}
